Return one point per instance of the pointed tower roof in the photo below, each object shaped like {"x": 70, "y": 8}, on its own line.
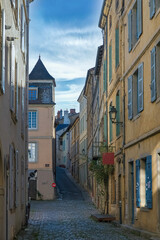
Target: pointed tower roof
{"x": 39, "y": 72}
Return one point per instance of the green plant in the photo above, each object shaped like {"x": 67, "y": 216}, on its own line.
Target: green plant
{"x": 100, "y": 171}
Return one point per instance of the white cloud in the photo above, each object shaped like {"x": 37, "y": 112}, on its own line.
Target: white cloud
{"x": 66, "y": 53}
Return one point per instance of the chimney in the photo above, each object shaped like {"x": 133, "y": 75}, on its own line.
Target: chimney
{"x": 66, "y": 118}
{"x": 72, "y": 111}
{"x": 60, "y": 114}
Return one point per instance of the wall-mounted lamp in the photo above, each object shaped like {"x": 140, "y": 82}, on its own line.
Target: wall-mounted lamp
{"x": 113, "y": 115}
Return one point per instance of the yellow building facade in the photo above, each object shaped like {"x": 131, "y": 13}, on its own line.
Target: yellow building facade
{"x": 132, "y": 48}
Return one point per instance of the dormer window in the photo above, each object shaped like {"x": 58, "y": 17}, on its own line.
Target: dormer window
{"x": 33, "y": 93}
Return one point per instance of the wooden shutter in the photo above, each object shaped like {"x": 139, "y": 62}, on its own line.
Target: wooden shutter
{"x": 152, "y": 8}
{"x": 11, "y": 177}
{"x": 22, "y": 28}
{"x": 16, "y": 85}
{"x": 110, "y": 127}
{"x": 17, "y": 179}
{"x": 104, "y": 77}
{"x": 139, "y": 18}
{"x": 117, "y": 46}
{"x": 17, "y": 13}
{"x": 12, "y": 76}
{"x": 140, "y": 87}
{"x": 2, "y": 82}
{"x": 138, "y": 183}
{"x": 149, "y": 181}
{"x": 130, "y": 30}
{"x": 118, "y": 114}
{"x": 13, "y": 3}
{"x": 105, "y": 127}
{"x": 110, "y": 62}
{"x": 153, "y": 75}
{"x": 130, "y": 103}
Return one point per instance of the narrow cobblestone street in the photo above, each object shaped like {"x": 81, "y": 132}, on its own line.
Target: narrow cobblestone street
{"x": 68, "y": 218}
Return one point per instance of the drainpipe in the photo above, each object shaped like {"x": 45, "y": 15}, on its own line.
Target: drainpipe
{"x": 123, "y": 84}
{"x": 107, "y": 110}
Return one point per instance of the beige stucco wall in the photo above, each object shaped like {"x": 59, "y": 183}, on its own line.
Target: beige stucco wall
{"x": 43, "y": 136}
{"x": 11, "y": 130}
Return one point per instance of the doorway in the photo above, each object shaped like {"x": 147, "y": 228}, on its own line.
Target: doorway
{"x": 131, "y": 191}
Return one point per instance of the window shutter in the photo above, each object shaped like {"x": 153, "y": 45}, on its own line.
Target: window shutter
{"x": 138, "y": 183}
{"x": 13, "y": 3}
{"x": 117, "y": 46}
{"x": 140, "y": 87}
{"x": 153, "y": 75}
{"x": 11, "y": 180}
{"x": 152, "y": 8}
{"x": 139, "y": 18}
{"x": 130, "y": 114}
{"x": 149, "y": 181}
{"x": 2, "y": 83}
{"x": 22, "y": 28}
{"x": 110, "y": 127}
{"x": 17, "y": 179}
{"x": 105, "y": 127}
{"x": 110, "y": 62}
{"x": 130, "y": 30}
{"x": 118, "y": 114}
{"x": 18, "y": 13}
{"x": 12, "y": 75}
{"x": 17, "y": 72}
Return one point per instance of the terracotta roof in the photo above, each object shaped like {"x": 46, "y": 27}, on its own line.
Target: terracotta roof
{"x": 39, "y": 72}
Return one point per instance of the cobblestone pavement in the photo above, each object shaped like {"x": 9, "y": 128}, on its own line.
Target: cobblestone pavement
{"x": 69, "y": 220}
{"x": 68, "y": 217}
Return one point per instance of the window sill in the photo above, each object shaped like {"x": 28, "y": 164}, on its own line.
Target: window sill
{"x": 144, "y": 209}
{"x": 13, "y": 116}
{"x": 158, "y": 100}
{"x": 136, "y": 117}
{"x": 32, "y": 129}
{"x": 157, "y": 13}
{"x": 136, "y": 44}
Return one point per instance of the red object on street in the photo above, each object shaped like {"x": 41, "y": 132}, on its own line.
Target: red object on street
{"x": 108, "y": 158}
{"x": 53, "y": 185}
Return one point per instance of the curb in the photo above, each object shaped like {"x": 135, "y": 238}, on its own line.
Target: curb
{"x": 138, "y": 232}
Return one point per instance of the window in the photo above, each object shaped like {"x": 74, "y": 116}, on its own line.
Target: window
{"x": 135, "y": 92}
{"x": 110, "y": 62}
{"x": 2, "y": 78}
{"x": 117, "y": 4}
{"x": 117, "y": 47}
{"x": 155, "y": 73}
{"x": 118, "y": 113}
{"x": 32, "y": 152}
{"x": 113, "y": 189}
{"x": 22, "y": 109}
{"x": 110, "y": 21}
{"x": 154, "y": 6}
{"x": 104, "y": 76}
{"x": 134, "y": 24}
{"x": 32, "y": 94}
{"x": 110, "y": 126}
{"x": 32, "y": 119}
{"x": 23, "y": 30}
{"x": 11, "y": 177}
{"x": 144, "y": 182}
{"x": 12, "y": 76}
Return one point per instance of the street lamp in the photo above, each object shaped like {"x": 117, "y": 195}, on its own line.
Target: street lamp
{"x": 113, "y": 115}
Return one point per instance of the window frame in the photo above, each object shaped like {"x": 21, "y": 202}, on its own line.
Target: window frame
{"x": 32, "y": 89}
{"x": 36, "y": 152}
{"x": 33, "y": 111}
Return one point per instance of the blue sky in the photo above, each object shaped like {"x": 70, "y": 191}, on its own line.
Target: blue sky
{"x": 66, "y": 35}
